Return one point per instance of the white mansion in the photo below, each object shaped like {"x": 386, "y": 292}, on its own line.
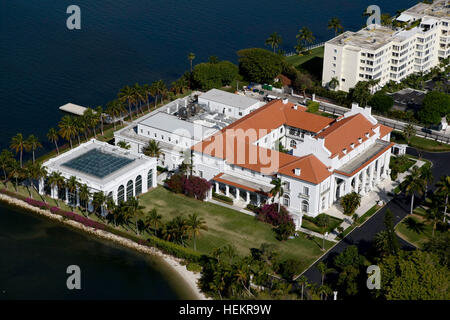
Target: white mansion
{"x": 327, "y": 157}
{"x": 383, "y": 53}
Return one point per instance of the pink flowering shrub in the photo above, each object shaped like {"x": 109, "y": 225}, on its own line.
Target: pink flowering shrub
{"x": 76, "y": 217}
{"x": 194, "y": 187}
{"x": 37, "y": 203}
{"x": 269, "y": 213}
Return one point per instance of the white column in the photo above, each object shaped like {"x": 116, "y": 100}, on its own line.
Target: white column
{"x": 348, "y": 186}
{"x": 258, "y": 199}
{"x": 357, "y": 183}
{"x": 378, "y": 176}
{"x": 41, "y": 186}
{"x": 364, "y": 179}
{"x": 371, "y": 176}
{"x": 78, "y": 197}
{"x": 67, "y": 196}
{"x": 217, "y": 187}
{"x": 248, "y": 197}
{"x": 227, "y": 190}
{"x": 54, "y": 192}
{"x": 237, "y": 193}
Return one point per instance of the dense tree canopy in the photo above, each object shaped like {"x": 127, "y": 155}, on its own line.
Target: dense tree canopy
{"x": 435, "y": 106}
{"x": 381, "y": 102}
{"x": 214, "y": 75}
{"x": 415, "y": 275}
{"x": 260, "y": 65}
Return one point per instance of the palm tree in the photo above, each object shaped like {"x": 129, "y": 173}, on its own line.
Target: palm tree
{"x": 115, "y": 109}
{"x": 39, "y": 172}
{"x": 154, "y": 219}
{"x": 443, "y": 187}
{"x": 433, "y": 214}
{"x": 98, "y": 201}
{"x": 53, "y": 136}
{"x": 135, "y": 210}
{"x": 274, "y": 41}
{"x": 350, "y": 202}
{"x": 67, "y": 128}
{"x": 162, "y": 89}
{"x": 335, "y": 24}
{"x": 277, "y": 190}
{"x": 191, "y": 57}
{"x": 6, "y": 159}
{"x": 33, "y": 144}
{"x": 409, "y": 131}
{"x": 15, "y": 172}
{"x": 99, "y": 113}
{"x": 84, "y": 194}
{"x": 146, "y": 91}
{"x": 126, "y": 94}
{"x": 139, "y": 96}
{"x": 303, "y": 282}
{"x": 426, "y": 174}
{"x": 194, "y": 226}
{"x": 324, "y": 270}
{"x": 27, "y": 174}
{"x": 56, "y": 180}
{"x": 414, "y": 184}
{"x": 72, "y": 186}
{"x": 152, "y": 149}
{"x": 18, "y": 144}
{"x": 305, "y": 36}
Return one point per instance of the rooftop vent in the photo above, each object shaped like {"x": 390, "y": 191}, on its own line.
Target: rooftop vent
{"x": 360, "y": 140}
{"x": 297, "y": 171}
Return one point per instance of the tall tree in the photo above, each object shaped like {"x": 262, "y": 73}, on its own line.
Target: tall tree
{"x": 18, "y": 144}
{"x": 191, "y": 57}
{"x": 194, "y": 226}
{"x": 305, "y": 36}
{"x": 34, "y": 144}
{"x": 443, "y": 188}
{"x": 392, "y": 241}
{"x": 154, "y": 219}
{"x": 100, "y": 117}
{"x": 414, "y": 184}
{"x": 84, "y": 195}
{"x": 72, "y": 187}
{"x": 6, "y": 159}
{"x": 152, "y": 149}
{"x": 56, "y": 180}
{"x": 53, "y": 136}
{"x": 409, "y": 132}
{"x": 67, "y": 128}
{"x": 426, "y": 175}
{"x": 274, "y": 41}
{"x": 335, "y": 25}
{"x": 135, "y": 210}
{"x": 324, "y": 270}
{"x": 126, "y": 94}
{"x": 277, "y": 190}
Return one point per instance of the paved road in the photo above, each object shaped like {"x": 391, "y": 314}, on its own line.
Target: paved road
{"x": 362, "y": 237}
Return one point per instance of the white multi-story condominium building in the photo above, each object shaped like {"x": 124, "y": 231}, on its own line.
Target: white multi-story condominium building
{"x": 184, "y": 122}
{"x": 326, "y": 159}
{"x": 384, "y": 53}
{"x": 120, "y": 174}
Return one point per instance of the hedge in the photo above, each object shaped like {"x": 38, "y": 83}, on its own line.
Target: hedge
{"x": 222, "y": 197}
{"x": 174, "y": 249}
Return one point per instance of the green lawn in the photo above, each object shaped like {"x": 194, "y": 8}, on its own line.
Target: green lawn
{"x": 298, "y": 60}
{"x": 310, "y": 224}
{"x": 416, "y": 236}
{"x": 226, "y": 226}
{"x": 421, "y": 143}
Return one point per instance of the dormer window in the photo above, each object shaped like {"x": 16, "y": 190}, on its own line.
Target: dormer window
{"x": 360, "y": 140}
{"x": 344, "y": 151}
{"x": 352, "y": 146}
{"x": 367, "y": 135}
{"x": 297, "y": 171}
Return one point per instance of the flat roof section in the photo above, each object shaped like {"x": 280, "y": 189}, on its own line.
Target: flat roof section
{"x": 229, "y": 99}
{"x": 242, "y": 183}
{"x": 170, "y": 123}
{"x": 73, "y": 108}
{"x": 97, "y": 163}
{"x": 352, "y": 166}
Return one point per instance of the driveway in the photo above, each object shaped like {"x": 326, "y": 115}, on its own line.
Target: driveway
{"x": 362, "y": 236}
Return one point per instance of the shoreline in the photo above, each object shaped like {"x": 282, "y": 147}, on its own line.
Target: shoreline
{"x": 190, "y": 278}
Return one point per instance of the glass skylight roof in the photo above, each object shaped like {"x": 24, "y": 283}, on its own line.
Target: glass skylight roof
{"x": 97, "y": 163}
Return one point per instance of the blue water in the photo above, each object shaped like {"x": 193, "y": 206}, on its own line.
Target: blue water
{"x": 43, "y": 65}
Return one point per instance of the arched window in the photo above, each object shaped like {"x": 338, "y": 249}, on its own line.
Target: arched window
{"x": 110, "y": 196}
{"x": 305, "y": 206}
{"x": 286, "y": 201}
{"x": 121, "y": 194}
{"x": 138, "y": 185}
{"x": 293, "y": 144}
{"x": 150, "y": 179}
{"x": 129, "y": 189}
{"x": 323, "y": 203}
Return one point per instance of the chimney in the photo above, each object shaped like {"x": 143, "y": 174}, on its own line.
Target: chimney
{"x": 297, "y": 171}
{"x": 285, "y": 101}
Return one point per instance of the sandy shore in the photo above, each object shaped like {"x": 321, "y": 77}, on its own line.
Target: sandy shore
{"x": 189, "y": 277}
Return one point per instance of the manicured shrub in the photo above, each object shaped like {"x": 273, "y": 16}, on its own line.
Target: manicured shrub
{"x": 175, "y": 183}
{"x": 223, "y": 198}
{"x": 174, "y": 249}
